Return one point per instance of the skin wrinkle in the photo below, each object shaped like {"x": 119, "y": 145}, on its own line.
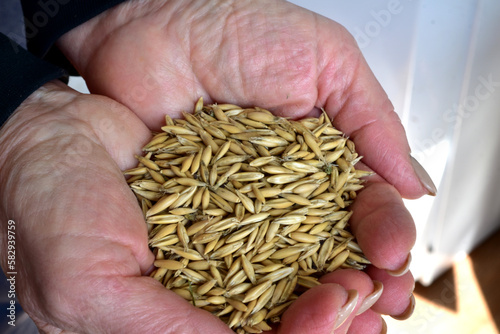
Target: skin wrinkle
{"x": 365, "y": 322}
{"x": 239, "y": 56}
{"x": 221, "y": 51}
{"x": 108, "y": 264}
{"x": 120, "y": 248}
{"x": 92, "y": 133}
{"x": 266, "y": 64}
{"x": 353, "y": 98}
{"x": 108, "y": 239}
{"x": 394, "y": 237}
{"x": 390, "y": 165}
{"x": 395, "y": 288}
{"x": 383, "y": 153}
{"x": 319, "y": 61}
{"x": 20, "y": 176}
{"x": 350, "y": 101}
{"x": 221, "y": 45}
{"x": 15, "y": 136}
{"x": 196, "y": 84}
{"x": 55, "y": 307}
{"x": 91, "y": 172}
{"x": 128, "y": 241}
{"x": 351, "y": 65}
{"x": 60, "y": 141}
{"x": 334, "y": 103}
{"x": 320, "y": 316}
{"x": 385, "y": 160}
{"x": 186, "y": 48}
{"x": 244, "y": 40}
{"x": 54, "y": 130}
{"x": 50, "y": 306}
{"x": 299, "y": 59}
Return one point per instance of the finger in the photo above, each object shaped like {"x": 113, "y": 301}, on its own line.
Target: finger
{"x": 114, "y": 129}
{"x": 351, "y": 94}
{"x": 368, "y": 322}
{"x": 319, "y": 310}
{"x": 397, "y": 299}
{"x": 369, "y": 291}
{"x": 119, "y": 130}
{"x": 383, "y": 227}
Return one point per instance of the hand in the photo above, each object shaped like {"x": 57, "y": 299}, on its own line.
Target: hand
{"x": 81, "y": 242}
{"x": 159, "y": 57}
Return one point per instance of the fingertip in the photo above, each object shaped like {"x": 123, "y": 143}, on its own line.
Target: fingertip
{"x": 355, "y": 280}
{"x": 319, "y": 310}
{"x": 383, "y": 226}
{"x": 369, "y": 322}
{"x": 407, "y": 313}
{"x": 350, "y": 279}
{"x": 398, "y": 291}
{"x": 403, "y": 269}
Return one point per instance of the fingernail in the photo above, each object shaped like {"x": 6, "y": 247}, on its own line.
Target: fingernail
{"x": 346, "y": 310}
{"x": 403, "y": 269}
{"x": 424, "y": 177}
{"x": 408, "y": 312}
{"x": 372, "y": 298}
{"x": 384, "y": 327}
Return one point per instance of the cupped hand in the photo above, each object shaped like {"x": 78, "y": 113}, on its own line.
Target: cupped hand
{"x": 158, "y": 57}
{"x": 81, "y": 242}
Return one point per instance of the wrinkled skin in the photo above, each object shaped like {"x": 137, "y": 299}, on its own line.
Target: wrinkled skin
{"x": 81, "y": 242}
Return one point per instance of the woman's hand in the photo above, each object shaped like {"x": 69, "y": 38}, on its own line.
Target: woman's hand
{"x": 157, "y": 58}
{"x": 81, "y": 240}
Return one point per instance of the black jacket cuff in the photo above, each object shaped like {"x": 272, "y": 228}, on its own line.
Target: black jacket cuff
{"x": 21, "y": 74}
{"x": 47, "y": 20}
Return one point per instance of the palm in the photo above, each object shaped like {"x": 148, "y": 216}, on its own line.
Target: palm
{"x": 228, "y": 54}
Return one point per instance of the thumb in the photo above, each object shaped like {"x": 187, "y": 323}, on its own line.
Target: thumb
{"x": 143, "y": 305}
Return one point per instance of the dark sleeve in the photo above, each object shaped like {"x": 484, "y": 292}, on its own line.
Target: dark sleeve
{"x": 47, "y": 20}
{"x": 21, "y": 74}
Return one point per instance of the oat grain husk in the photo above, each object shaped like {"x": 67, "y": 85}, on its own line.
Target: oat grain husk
{"x": 246, "y": 210}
